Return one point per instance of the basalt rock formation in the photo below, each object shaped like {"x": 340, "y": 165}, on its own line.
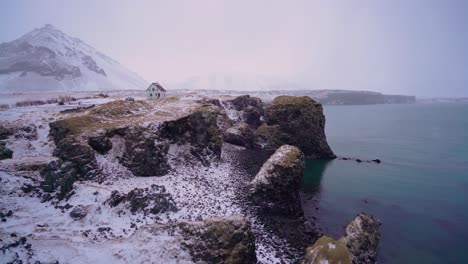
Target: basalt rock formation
{"x": 240, "y": 135}
{"x": 297, "y": 121}
{"x": 362, "y": 238}
{"x": 359, "y": 245}
{"x": 199, "y": 129}
{"x": 219, "y": 240}
{"x": 251, "y": 109}
{"x": 276, "y": 186}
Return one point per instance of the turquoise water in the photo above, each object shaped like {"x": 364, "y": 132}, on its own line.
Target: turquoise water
{"x": 419, "y": 192}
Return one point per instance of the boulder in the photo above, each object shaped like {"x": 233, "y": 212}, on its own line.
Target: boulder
{"x": 5, "y": 153}
{"x": 327, "y": 250}
{"x": 219, "y": 240}
{"x": 297, "y": 121}
{"x": 100, "y": 143}
{"x": 240, "y": 135}
{"x": 362, "y": 238}
{"x": 144, "y": 155}
{"x": 151, "y": 200}
{"x": 78, "y": 212}
{"x": 276, "y": 186}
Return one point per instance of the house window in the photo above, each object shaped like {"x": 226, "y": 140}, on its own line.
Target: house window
{"x": 153, "y": 89}
{"x": 151, "y": 94}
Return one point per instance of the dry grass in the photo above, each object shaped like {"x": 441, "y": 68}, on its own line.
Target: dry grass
{"x": 59, "y": 100}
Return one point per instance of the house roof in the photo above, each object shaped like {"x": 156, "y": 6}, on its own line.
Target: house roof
{"x": 158, "y": 86}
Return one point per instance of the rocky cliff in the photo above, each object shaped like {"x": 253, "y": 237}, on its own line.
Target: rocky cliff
{"x": 297, "y": 121}
{"x": 167, "y": 176}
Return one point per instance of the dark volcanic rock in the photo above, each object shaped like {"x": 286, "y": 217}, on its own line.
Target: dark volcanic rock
{"x": 241, "y": 135}
{"x": 362, "y": 239}
{"x": 276, "y": 186}
{"x": 78, "y": 213}
{"x": 5, "y": 153}
{"x": 297, "y": 121}
{"x": 220, "y": 240}
{"x": 152, "y": 200}
{"x": 76, "y": 162}
{"x": 100, "y": 143}
{"x": 144, "y": 155}
{"x": 199, "y": 129}
{"x": 58, "y": 130}
{"x": 59, "y": 176}
{"x": 251, "y": 107}
{"x": 359, "y": 245}
{"x": 80, "y": 155}
{"x": 27, "y": 132}
{"x": 5, "y": 132}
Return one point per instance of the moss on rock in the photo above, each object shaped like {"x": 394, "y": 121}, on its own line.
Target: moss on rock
{"x": 327, "y": 250}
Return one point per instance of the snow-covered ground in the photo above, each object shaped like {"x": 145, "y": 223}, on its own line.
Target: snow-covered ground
{"x": 111, "y": 234}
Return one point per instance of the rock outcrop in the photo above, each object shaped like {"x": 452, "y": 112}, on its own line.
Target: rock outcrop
{"x": 151, "y": 200}
{"x": 276, "y": 186}
{"x": 199, "y": 129}
{"x": 327, "y": 250}
{"x": 145, "y": 154}
{"x": 250, "y": 108}
{"x": 76, "y": 162}
{"x": 359, "y": 245}
{"x": 219, "y": 240}
{"x": 297, "y": 121}
{"x": 5, "y": 132}
{"x": 80, "y": 155}
{"x": 100, "y": 143}
{"x": 5, "y": 153}
{"x": 362, "y": 238}
{"x": 240, "y": 135}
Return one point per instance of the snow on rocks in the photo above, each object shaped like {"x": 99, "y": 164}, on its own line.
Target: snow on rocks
{"x": 117, "y": 216}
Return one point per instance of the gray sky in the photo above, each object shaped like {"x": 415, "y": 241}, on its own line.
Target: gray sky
{"x": 415, "y": 47}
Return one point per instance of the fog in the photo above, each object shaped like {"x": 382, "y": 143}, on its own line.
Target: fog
{"x": 413, "y": 47}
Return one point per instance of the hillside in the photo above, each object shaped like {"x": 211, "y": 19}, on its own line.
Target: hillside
{"x": 46, "y": 59}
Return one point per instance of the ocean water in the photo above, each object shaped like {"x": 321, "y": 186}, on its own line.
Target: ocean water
{"x": 419, "y": 191}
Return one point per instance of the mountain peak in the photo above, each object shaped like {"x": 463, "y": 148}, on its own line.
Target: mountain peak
{"x": 48, "y": 26}
{"x": 48, "y": 58}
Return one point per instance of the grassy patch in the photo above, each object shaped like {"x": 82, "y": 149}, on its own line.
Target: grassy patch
{"x": 116, "y": 109}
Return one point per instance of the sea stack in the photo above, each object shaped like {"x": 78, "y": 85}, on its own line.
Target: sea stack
{"x": 276, "y": 186}
{"x": 298, "y": 121}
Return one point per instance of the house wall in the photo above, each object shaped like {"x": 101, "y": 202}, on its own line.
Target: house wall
{"x": 154, "y": 95}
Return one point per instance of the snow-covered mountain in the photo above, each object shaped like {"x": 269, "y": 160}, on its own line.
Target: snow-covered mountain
{"x": 46, "y": 59}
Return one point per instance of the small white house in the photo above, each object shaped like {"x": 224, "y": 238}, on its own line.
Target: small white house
{"x": 155, "y": 91}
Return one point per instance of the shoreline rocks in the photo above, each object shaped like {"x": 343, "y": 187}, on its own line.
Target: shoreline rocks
{"x": 362, "y": 238}
{"x": 276, "y": 186}
{"x": 220, "y": 240}
{"x": 297, "y": 121}
{"x": 358, "y": 246}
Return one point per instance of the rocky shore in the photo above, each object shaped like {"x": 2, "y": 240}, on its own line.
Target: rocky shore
{"x": 185, "y": 179}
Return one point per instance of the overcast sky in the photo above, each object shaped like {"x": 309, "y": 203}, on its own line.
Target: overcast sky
{"x": 415, "y": 47}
